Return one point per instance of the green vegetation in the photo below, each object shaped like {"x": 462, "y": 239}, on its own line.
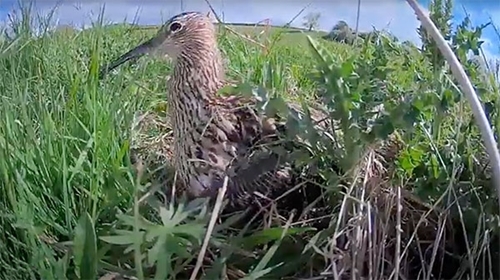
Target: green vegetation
{"x": 73, "y": 205}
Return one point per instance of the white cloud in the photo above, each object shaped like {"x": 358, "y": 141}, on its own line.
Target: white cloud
{"x": 490, "y": 48}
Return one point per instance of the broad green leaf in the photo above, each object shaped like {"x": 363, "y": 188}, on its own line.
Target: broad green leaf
{"x": 434, "y": 166}
{"x": 164, "y": 258}
{"x": 85, "y": 248}
{"x": 165, "y": 215}
{"x": 258, "y": 274}
{"x": 153, "y": 252}
{"x": 125, "y": 238}
{"x": 276, "y": 106}
{"x": 131, "y": 221}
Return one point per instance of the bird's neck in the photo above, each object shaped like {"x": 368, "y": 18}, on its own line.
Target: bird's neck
{"x": 202, "y": 70}
{"x": 193, "y": 85}
{"x": 195, "y": 81}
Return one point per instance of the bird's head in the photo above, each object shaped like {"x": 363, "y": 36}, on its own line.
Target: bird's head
{"x": 186, "y": 33}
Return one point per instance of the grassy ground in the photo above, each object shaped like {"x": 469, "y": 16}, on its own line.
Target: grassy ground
{"x": 66, "y": 176}
{"x": 287, "y": 35}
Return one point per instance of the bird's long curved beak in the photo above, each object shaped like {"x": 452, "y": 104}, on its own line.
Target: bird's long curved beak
{"x": 135, "y": 53}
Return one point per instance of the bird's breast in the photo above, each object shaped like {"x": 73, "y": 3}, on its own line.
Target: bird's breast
{"x": 211, "y": 135}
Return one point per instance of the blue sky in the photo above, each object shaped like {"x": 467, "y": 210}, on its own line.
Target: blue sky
{"x": 393, "y": 15}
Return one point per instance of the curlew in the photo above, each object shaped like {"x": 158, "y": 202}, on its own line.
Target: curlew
{"x": 214, "y": 136}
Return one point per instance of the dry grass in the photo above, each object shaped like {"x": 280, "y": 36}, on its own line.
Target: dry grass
{"x": 382, "y": 230}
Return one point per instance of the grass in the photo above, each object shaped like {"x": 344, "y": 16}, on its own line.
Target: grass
{"x": 287, "y": 35}
{"x": 70, "y": 196}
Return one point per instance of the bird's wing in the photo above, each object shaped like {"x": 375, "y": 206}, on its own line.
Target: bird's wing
{"x": 264, "y": 161}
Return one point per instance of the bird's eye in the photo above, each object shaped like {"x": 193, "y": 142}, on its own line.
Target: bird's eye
{"x": 175, "y": 26}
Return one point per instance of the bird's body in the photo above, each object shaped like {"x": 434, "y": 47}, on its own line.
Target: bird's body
{"x": 210, "y": 132}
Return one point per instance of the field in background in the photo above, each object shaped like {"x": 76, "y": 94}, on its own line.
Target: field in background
{"x": 70, "y": 194}
{"x": 286, "y": 35}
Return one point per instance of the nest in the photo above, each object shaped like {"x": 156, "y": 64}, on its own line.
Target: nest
{"x": 383, "y": 228}
{"x": 151, "y": 146}
{"x": 387, "y": 230}
{"x": 151, "y": 153}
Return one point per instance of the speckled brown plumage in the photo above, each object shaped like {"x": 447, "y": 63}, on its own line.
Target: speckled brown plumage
{"x": 214, "y": 136}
